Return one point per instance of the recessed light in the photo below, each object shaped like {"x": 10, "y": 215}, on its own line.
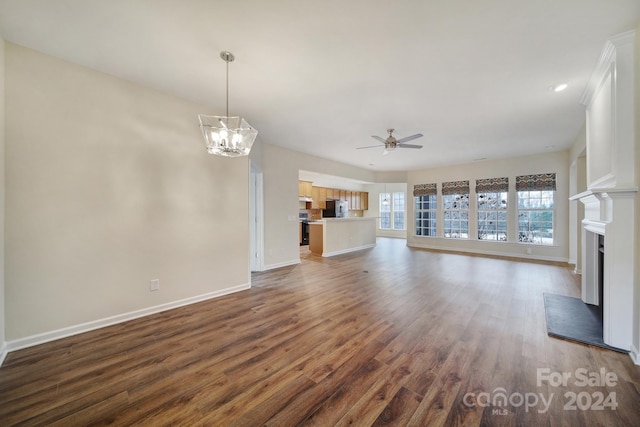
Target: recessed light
{"x": 559, "y": 87}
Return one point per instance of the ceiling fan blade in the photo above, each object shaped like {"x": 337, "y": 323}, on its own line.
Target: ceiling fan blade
{"x": 409, "y": 138}
{"x": 409, "y": 146}
{"x": 379, "y": 139}
{"x": 370, "y": 146}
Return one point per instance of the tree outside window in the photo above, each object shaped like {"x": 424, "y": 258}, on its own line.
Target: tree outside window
{"x": 456, "y": 216}
{"x": 492, "y": 216}
{"x": 455, "y": 203}
{"x": 535, "y": 217}
{"x": 535, "y": 208}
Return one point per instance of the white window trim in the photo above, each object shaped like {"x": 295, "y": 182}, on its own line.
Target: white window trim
{"x": 392, "y": 211}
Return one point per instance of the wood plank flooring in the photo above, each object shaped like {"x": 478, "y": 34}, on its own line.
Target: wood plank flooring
{"x": 385, "y": 336}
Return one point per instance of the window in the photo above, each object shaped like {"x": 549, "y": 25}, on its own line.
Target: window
{"x": 455, "y": 201}
{"x": 492, "y": 196}
{"x": 398, "y": 211}
{"x": 535, "y": 208}
{"x": 425, "y": 196}
{"x": 392, "y": 211}
{"x": 492, "y": 216}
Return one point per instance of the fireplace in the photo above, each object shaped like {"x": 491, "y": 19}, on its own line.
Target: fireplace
{"x": 612, "y": 172}
{"x": 607, "y": 261}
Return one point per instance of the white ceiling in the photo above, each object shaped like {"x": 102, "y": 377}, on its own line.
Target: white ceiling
{"x": 323, "y": 76}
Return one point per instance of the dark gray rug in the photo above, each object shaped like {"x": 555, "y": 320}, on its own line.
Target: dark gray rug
{"x": 572, "y": 319}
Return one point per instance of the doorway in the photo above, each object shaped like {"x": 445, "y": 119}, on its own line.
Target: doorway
{"x": 256, "y": 219}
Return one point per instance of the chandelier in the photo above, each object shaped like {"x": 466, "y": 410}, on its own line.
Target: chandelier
{"x": 224, "y": 135}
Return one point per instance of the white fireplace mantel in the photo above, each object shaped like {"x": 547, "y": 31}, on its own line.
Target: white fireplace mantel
{"x": 610, "y": 212}
{"x": 612, "y": 180}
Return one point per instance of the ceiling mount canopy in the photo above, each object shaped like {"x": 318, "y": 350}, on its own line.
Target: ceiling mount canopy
{"x": 224, "y": 135}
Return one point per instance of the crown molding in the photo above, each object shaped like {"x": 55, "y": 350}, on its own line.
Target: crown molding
{"x": 603, "y": 67}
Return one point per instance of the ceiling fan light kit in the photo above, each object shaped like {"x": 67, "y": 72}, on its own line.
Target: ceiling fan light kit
{"x": 224, "y": 135}
{"x": 391, "y": 143}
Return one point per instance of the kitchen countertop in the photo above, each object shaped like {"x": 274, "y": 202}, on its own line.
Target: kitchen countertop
{"x": 357, "y": 218}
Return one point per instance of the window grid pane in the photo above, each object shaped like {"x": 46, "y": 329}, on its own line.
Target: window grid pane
{"x": 392, "y": 211}
{"x": 456, "y": 216}
{"x": 398, "y": 211}
{"x": 385, "y": 211}
{"x": 492, "y": 216}
{"x": 535, "y": 217}
{"x": 425, "y": 211}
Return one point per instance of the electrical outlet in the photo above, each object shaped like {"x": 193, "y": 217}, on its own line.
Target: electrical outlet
{"x": 154, "y": 285}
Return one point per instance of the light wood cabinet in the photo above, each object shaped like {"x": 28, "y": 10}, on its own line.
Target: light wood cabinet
{"x": 304, "y": 189}
{"x": 364, "y": 201}
{"x": 358, "y": 200}
{"x": 319, "y": 198}
{"x": 355, "y": 200}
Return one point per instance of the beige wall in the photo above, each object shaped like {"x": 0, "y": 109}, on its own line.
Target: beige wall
{"x": 557, "y": 162}
{"x": 2, "y": 190}
{"x": 107, "y": 187}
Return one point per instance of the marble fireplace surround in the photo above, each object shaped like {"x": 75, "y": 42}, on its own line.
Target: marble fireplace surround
{"x": 610, "y": 213}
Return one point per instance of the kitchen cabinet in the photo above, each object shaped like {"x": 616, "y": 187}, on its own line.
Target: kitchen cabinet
{"x": 355, "y": 200}
{"x": 364, "y": 201}
{"x": 358, "y": 200}
{"x": 319, "y": 198}
{"x": 304, "y": 188}
{"x": 316, "y": 238}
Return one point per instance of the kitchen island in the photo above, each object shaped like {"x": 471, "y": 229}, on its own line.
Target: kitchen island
{"x": 335, "y": 236}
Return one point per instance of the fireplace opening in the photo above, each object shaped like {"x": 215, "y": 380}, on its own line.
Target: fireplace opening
{"x": 600, "y": 273}
{"x": 582, "y": 319}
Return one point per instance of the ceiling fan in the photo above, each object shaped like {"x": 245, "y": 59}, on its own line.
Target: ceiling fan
{"x": 391, "y": 143}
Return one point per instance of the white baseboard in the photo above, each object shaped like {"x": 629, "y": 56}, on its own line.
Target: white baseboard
{"x": 281, "y": 264}
{"x": 492, "y": 253}
{"x": 635, "y": 354}
{"x": 346, "y": 251}
{"x": 108, "y": 321}
{"x": 3, "y": 352}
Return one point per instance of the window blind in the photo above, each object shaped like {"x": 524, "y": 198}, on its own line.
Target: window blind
{"x": 538, "y": 182}
{"x": 455, "y": 187}
{"x": 492, "y": 185}
{"x": 425, "y": 190}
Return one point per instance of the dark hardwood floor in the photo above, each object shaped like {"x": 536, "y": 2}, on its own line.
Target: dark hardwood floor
{"x": 386, "y": 336}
